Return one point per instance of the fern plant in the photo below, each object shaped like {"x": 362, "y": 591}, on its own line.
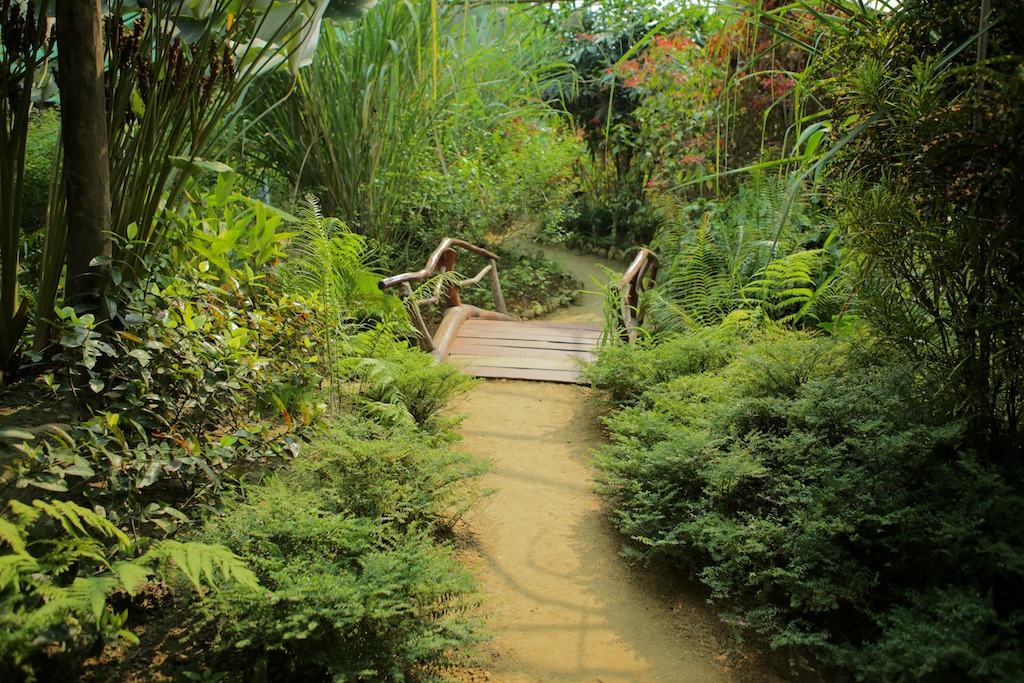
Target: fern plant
{"x": 59, "y": 564}
{"x": 735, "y": 257}
{"x": 329, "y": 264}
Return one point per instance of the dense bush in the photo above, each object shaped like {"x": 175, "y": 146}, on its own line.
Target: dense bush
{"x": 356, "y": 587}
{"x": 201, "y": 379}
{"x": 206, "y": 379}
{"x": 930, "y": 193}
{"x": 517, "y": 175}
{"x": 401, "y": 386}
{"x": 821, "y": 492}
{"x": 40, "y": 154}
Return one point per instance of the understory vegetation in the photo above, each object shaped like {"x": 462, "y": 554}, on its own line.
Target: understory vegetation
{"x": 223, "y": 457}
{"x": 822, "y": 422}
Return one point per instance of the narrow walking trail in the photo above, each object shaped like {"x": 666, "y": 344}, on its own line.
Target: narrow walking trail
{"x": 563, "y": 606}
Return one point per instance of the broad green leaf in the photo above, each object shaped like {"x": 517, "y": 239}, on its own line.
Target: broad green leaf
{"x": 197, "y": 166}
{"x": 16, "y": 433}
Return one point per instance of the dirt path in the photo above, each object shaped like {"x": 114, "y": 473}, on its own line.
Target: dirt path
{"x": 564, "y": 606}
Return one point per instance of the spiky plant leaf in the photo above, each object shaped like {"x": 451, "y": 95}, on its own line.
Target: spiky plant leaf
{"x": 201, "y": 563}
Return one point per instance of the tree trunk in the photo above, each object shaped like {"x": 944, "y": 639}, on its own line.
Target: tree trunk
{"x": 86, "y": 153}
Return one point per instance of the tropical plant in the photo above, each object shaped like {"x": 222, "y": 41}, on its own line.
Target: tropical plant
{"x": 173, "y": 103}
{"x": 935, "y": 214}
{"x": 208, "y": 378}
{"x": 355, "y": 587}
{"x": 25, "y": 47}
{"x": 60, "y": 564}
{"x": 323, "y": 137}
{"x": 402, "y": 123}
{"x": 752, "y": 252}
{"x": 328, "y": 265}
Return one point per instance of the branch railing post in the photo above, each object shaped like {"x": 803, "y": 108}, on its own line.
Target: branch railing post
{"x": 451, "y": 290}
{"x": 446, "y": 293}
{"x": 499, "y": 298}
{"x": 641, "y": 271}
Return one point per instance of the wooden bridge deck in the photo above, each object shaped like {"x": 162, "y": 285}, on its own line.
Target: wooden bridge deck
{"x": 513, "y": 349}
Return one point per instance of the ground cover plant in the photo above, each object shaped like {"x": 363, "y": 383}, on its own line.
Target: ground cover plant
{"x": 213, "y": 381}
{"x": 821, "y": 491}
{"x": 821, "y": 425}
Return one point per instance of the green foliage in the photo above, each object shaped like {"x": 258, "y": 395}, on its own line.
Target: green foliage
{"x": 530, "y": 283}
{"x": 404, "y": 386}
{"x": 355, "y": 587}
{"x": 40, "y": 157}
{"x": 754, "y": 252}
{"x": 207, "y": 378}
{"x": 829, "y": 504}
{"x": 413, "y": 122}
{"x": 60, "y": 564}
{"x": 626, "y": 372}
{"x": 516, "y": 174}
{"x": 929, "y": 190}
{"x": 327, "y": 264}
{"x": 176, "y": 85}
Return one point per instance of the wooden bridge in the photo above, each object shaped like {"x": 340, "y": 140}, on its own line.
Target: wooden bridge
{"x": 494, "y": 345}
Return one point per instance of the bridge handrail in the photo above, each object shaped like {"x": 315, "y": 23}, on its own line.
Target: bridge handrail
{"x": 634, "y": 281}
{"x": 442, "y": 259}
{"x": 422, "y": 274}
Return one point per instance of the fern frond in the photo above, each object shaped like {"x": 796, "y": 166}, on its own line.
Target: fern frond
{"x": 12, "y": 536}
{"x": 131, "y": 574}
{"x": 89, "y": 594}
{"x": 13, "y": 567}
{"x": 63, "y": 554}
{"x": 201, "y": 563}
{"x": 75, "y": 518}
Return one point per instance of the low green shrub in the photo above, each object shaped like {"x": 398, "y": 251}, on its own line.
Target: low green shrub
{"x": 401, "y": 386}
{"x": 821, "y": 493}
{"x": 356, "y": 586}
{"x": 60, "y": 564}
{"x": 627, "y": 371}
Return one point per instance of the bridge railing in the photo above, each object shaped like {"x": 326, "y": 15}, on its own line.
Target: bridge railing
{"x": 637, "y": 279}
{"x": 446, "y": 291}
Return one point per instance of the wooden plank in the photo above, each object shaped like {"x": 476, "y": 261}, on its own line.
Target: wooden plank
{"x": 498, "y": 344}
{"x": 549, "y": 352}
{"x": 472, "y": 326}
{"x": 521, "y": 373}
{"x": 536, "y": 324}
{"x": 465, "y": 348}
{"x": 526, "y": 363}
{"x": 526, "y": 335}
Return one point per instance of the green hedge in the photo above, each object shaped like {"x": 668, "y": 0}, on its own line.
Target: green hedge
{"x": 357, "y": 586}
{"x": 820, "y": 492}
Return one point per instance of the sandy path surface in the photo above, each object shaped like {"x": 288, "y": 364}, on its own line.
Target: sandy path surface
{"x": 564, "y": 607}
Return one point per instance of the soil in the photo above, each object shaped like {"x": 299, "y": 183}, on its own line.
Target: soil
{"x": 564, "y": 605}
